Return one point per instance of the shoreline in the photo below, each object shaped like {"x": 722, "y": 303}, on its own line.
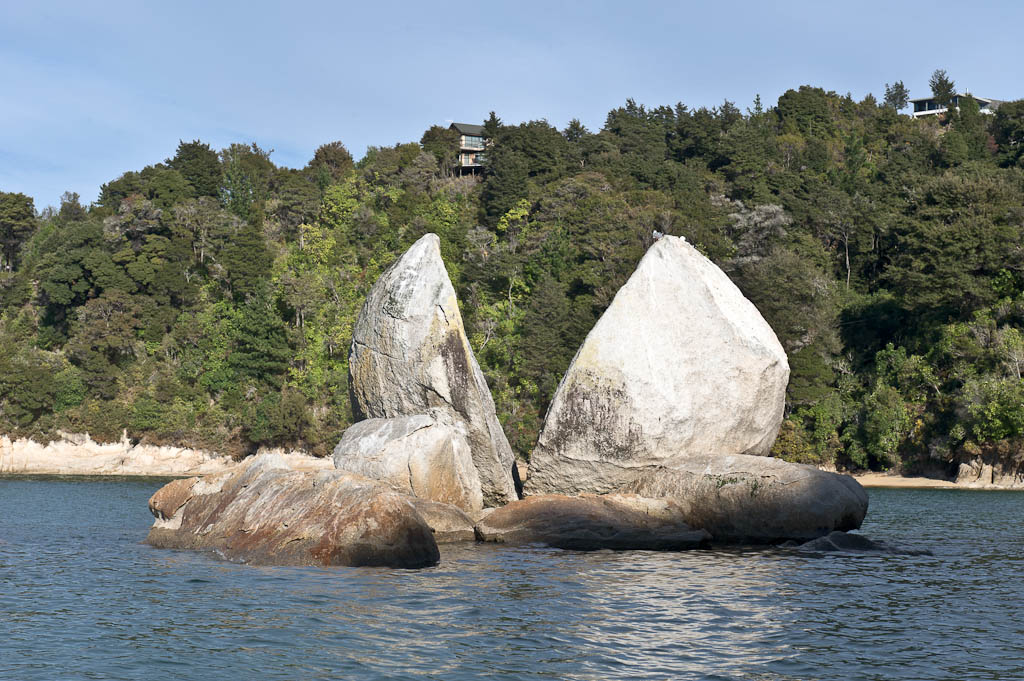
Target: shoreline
{"x": 869, "y": 480}
{"x": 74, "y": 454}
{"x": 883, "y": 480}
{"x": 77, "y": 454}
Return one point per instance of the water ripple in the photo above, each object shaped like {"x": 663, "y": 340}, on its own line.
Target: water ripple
{"x": 81, "y": 598}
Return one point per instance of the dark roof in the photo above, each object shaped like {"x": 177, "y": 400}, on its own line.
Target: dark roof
{"x": 468, "y": 129}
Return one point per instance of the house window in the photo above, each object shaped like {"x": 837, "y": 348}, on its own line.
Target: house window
{"x": 473, "y": 142}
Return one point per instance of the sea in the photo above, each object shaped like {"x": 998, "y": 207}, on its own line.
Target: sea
{"x": 82, "y": 597}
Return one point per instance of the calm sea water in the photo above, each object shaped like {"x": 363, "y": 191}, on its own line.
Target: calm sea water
{"x": 82, "y": 598}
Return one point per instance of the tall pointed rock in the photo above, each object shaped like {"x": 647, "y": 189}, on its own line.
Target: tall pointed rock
{"x": 681, "y": 364}
{"x": 410, "y": 355}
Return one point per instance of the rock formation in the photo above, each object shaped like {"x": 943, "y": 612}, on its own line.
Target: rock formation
{"x": 843, "y": 542}
{"x": 416, "y": 455}
{"x": 410, "y": 355}
{"x": 592, "y": 522}
{"x": 264, "y": 512}
{"x": 756, "y": 499}
{"x": 448, "y": 523}
{"x": 679, "y": 365}
{"x": 675, "y": 389}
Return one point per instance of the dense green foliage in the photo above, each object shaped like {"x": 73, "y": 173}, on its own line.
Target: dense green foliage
{"x": 209, "y": 300}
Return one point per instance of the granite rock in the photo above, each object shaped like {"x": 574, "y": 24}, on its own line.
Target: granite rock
{"x": 681, "y": 364}
{"x": 264, "y": 512}
{"x": 591, "y": 522}
{"x": 410, "y": 356}
{"x": 415, "y": 455}
{"x": 756, "y": 499}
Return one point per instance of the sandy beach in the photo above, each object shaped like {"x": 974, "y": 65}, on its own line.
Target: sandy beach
{"x": 887, "y": 480}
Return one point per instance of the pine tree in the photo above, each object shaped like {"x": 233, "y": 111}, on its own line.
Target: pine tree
{"x": 199, "y": 165}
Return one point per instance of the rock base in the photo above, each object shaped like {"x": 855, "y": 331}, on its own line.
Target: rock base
{"x": 755, "y": 499}
{"x": 591, "y": 522}
{"x": 263, "y": 512}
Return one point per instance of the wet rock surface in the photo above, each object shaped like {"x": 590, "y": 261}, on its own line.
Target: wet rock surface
{"x": 754, "y": 499}
{"x": 263, "y": 512}
{"x": 591, "y": 522}
{"x": 846, "y": 542}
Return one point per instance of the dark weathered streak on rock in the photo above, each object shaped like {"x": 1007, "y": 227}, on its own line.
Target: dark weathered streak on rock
{"x": 590, "y": 522}
{"x": 263, "y": 514}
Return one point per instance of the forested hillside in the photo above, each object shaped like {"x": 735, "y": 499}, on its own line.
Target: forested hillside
{"x": 208, "y": 300}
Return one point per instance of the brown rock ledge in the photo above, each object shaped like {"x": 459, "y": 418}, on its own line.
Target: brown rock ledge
{"x": 592, "y": 522}
{"x": 263, "y": 512}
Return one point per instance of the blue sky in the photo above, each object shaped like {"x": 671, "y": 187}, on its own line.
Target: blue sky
{"x": 92, "y": 89}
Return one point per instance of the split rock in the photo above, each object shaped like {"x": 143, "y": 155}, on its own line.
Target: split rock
{"x": 410, "y": 355}
{"x": 680, "y": 364}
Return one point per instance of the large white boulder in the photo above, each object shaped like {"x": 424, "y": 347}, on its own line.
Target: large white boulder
{"x": 415, "y": 455}
{"x": 681, "y": 364}
{"x": 410, "y": 355}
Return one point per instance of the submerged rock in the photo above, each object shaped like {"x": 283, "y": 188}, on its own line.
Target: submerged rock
{"x": 679, "y": 365}
{"x": 756, "y": 499}
{"x": 410, "y": 355}
{"x": 416, "y": 455}
{"x": 855, "y": 543}
{"x": 590, "y": 523}
{"x": 263, "y": 512}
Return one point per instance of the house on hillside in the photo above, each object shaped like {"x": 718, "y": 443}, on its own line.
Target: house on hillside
{"x": 927, "y": 106}
{"x": 471, "y": 146}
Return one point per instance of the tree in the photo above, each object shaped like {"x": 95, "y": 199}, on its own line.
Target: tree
{"x": 104, "y": 338}
{"x": 247, "y": 261}
{"x": 896, "y": 95}
{"x": 492, "y": 126}
{"x": 17, "y": 221}
{"x": 260, "y": 343}
{"x": 575, "y": 131}
{"x": 443, "y": 143}
{"x": 247, "y": 175}
{"x": 332, "y": 162}
{"x": 1008, "y": 131}
{"x": 972, "y": 125}
{"x": 199, "y": 165}
{"x": 943, "y": 89}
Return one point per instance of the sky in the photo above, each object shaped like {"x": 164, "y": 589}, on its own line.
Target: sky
{"x": 93, "y": 89}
